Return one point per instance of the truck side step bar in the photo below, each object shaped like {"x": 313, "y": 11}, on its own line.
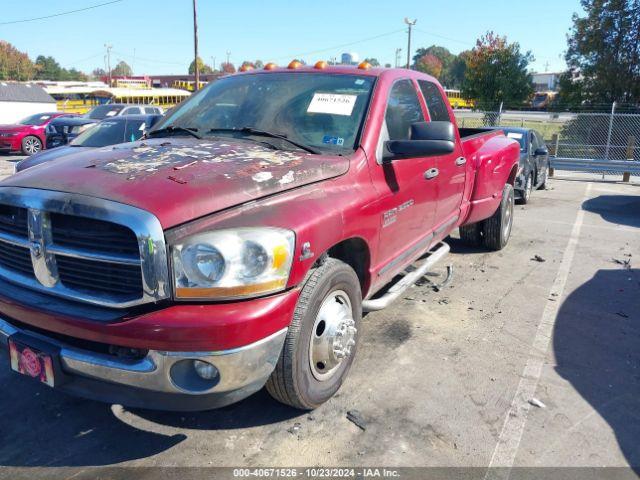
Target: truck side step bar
{"x": 433, "y": 257}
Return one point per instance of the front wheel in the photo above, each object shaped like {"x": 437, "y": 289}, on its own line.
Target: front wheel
{"x": 545, "y": 177}
{"x": 31, "y": 145}
{"x": 497, "y": 228}
{"x": 526, "y": 193}
{"x": 322, "y": 339}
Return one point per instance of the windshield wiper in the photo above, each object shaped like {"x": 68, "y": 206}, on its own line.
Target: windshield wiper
{"x": 173, "y": 128}
{"x": 265, "y": 133}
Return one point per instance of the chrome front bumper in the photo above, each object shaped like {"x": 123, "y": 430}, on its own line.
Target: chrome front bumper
{"x": 149, "y": 381}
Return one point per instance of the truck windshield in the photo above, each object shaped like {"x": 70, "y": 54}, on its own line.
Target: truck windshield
{"x": 318, "y": 110}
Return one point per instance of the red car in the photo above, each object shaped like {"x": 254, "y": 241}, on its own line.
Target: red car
{"x": 28, "y": 135}
{"x": 238, "y": 244}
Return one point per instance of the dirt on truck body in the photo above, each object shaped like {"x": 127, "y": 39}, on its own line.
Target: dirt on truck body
{"x": 237, "y": 245}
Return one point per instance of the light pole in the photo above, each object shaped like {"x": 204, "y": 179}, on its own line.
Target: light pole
{"x": 109, "y": 47}
{"x": 398, "y": 50}
{"x": 195, "y": 46}
{"x": 411, "y": 23}
{"x": 213, "y": 63}
{"x": 228, "y": 56}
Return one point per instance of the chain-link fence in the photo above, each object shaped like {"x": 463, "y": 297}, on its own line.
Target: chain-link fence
{"x": 600, "y": 142}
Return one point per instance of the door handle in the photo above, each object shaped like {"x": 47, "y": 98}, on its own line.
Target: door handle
{"x": 460, "y": 161}
{"x": 431, "y": 173}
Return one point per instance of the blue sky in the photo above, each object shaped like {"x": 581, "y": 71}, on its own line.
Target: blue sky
{"x": 156, "y": 36}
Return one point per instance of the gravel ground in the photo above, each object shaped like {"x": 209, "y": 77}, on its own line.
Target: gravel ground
{"x": 519, "y": 362}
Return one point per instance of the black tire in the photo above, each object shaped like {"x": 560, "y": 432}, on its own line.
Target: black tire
{"x": 545, "y": 177}
{"x": 31, "y": 145}
{"x": 471, "y": 234}
{"x": 525, "y": 196}
{"x": 293, "y": 382}
{"x": 497, "y": 228}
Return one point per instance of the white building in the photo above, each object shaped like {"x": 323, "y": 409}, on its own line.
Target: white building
{"x": 545, "y": 82}
{"x": 18, "y": 101}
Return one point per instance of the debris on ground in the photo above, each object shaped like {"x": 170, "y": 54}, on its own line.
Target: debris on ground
{"x": 625, "y": 263}
{"x": 537, "y": 403}
{"x": 622, "y": 314}
{"x": 355, "y": 417}
{"x": 295, "y": 428}
{"x": 444, "y": 301}
{"x": 538, "y": 258}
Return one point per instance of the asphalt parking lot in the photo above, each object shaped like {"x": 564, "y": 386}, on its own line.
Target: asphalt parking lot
{"x": 518, "y": 362}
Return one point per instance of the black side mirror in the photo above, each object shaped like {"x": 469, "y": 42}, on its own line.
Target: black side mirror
{"x": 540, "y": 152}
{"x": 427, "y": 139}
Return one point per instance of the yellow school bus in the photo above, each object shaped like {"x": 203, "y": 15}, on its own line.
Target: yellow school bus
{"x": 457, "y": 100}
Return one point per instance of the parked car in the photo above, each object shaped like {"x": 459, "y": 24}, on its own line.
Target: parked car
{"x": 28, "y": 135}
{"x": 62, "y": 130}
{"x": 115, "y": 109}
{"x": 239, "y": 243}
{"x": 533, "y": 170}
{"x": 128, "y": 128}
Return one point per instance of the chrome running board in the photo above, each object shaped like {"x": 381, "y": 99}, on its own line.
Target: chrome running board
{"x": 433, "y": 257}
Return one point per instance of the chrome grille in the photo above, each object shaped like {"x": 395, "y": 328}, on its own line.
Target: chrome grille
{"x": 82, "y": 248}
{"x": 13, "y": 220}
{"x": 96, "y": 235}
{"x": 16, "y": 258}
{"x": 89, "y": 276}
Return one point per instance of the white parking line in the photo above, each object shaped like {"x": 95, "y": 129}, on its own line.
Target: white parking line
{"x": 505, "y": 452}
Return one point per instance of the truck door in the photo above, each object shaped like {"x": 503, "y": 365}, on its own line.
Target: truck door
{"x": 407, "y": 198}
{"x": 452, "y": 167}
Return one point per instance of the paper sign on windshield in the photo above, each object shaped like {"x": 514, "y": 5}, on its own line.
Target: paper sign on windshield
{"x": 332, "y": 103}
{"x": 514, "y": 135}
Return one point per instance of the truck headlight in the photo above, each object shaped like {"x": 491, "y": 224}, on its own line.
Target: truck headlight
{"x": 234, "y": 263}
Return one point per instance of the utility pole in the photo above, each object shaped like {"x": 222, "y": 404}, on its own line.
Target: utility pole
{"x": 213, "y": 63}
{"x": 398, "y": 51}
{"x": 195, "y": 46}
{"x": 228, "y": 56}
{"x": 411, "y": 23}
{"x": 109, "y": 47}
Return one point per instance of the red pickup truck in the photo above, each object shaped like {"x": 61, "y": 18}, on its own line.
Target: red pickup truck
{"x": 238, "y": 244}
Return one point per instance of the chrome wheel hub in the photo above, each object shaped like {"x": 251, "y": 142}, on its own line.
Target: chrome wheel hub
{"x": 32, "y": 146}
{"x": 333, "y": 337}
{"x": 508, "y": 216}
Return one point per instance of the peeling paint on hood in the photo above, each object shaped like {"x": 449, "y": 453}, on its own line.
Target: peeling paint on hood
{"x": 180, "y": 179}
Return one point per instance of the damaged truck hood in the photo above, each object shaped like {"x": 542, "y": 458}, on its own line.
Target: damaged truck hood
{"x": 180, "y": 179}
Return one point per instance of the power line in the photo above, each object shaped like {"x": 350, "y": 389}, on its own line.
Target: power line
{"x": 60, "y": 14}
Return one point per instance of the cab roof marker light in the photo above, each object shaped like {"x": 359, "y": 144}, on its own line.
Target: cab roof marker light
{"x": 320, "y": 65}
{"x": 294, "y": 65}
{"x": 364, "y": 66}
{"x": 270, "y": 66}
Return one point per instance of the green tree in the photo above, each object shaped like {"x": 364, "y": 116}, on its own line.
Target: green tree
{"x": 14, "y": 64}
{"x": 48, "y": 68}
{"x": 448, "y": 61}
{"x": 496, "y": 73}
{"x": 604, "y": 52}
{"x": 122, "y": 69}
{"x": 203, "y": 67}
{"x": 372, "y": 61}
{"x": 259, "y": 64}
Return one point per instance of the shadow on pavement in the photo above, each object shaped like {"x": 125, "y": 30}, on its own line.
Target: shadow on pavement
{"x": 42, "y": 427}
{"x": 596, "y": 342}
{"x": 618, "y": 209}
{"x": 258, "y": 409}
